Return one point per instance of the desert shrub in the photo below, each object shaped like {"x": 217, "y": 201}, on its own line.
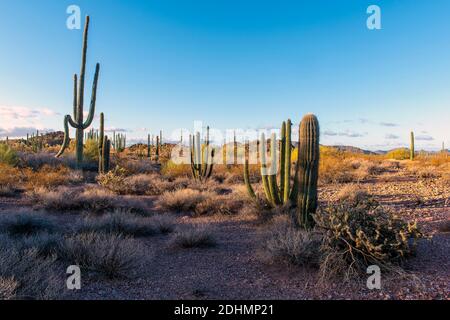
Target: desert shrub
{"x": 8, "y": 287}
{"x": 8, "y": 190}
{"x": 131, "y": 166}
{"x": 112, "y": 255}
{"x": 398, "y": 154}
{"x": 172, "y": 170}
{"x": 118, "y": 223}
{"x": 358, "y": 236}
{"x": 51, "y": 177}
{"x": 90, "y": 150}
{"x": 335, "y": 170}
{"x": 353, "y": 193}
{"x": 163, "y": 223}
{"x": 37, "y": 160}
{"x": 428, "y": 172}
{"x": 8, "y": 156}
{"x": 140, "y": 184}
{"x": 25, "y": 224}
{"x": 289, "y": 245}
{"x": 196, "y": 236}
{"x": 223, "y": 205}
{"x": 92, "y": 200}
{"x": 26, "y": 275}
{"x": 184, "y": 200}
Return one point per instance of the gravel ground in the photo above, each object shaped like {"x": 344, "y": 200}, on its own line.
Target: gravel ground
{"x": 234, "y": 270}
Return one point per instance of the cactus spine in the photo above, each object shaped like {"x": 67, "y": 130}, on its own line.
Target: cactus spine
{"x": 77, "y": 121}
{"x": 275, "y": 195}
{"x": 308, "y": 170}
{"x": 411, "y": 149}
{"x": 202, "y": 157}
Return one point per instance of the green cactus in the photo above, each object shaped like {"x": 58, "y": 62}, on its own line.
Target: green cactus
{"x": 308, "y": 170}
{"x": 275, "y": 195}
{"x": 202, "y": 157}
{"x": 77, "y": 121}
{"x": 235, "y": 147}
{"x": 149, "y": 152}
{"x": 411, "y": 149}
{"x": 105, "y": 157}
{"x": 157, "y": 148}
{"x": 119, "y": 142}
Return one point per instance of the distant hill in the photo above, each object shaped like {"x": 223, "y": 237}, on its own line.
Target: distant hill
{"x": 353, "y": 149}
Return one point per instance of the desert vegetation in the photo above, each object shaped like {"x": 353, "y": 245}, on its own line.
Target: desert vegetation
{"x": 301, "y": 221}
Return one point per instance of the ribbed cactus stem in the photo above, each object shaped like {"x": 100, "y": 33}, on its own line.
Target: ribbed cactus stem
{"x": 287, "y": 164}
{"x": 274, "y": 191}
{"x": 148, "y": 147}
{"x": 248, "y": 185}
{"x": 308, "y": 165}
{"x": 411, "y": 149}
{"x": 77, "y": 121}
{"x": 264, "y": 171}
{"x": 100, "y": 142}
{"x": 202, "y": 157}
{"x": 283, "y": 160}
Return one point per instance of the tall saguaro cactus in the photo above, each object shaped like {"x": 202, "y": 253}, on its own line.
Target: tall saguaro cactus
{"x": 77, "y": 121}
{"x": 308, "y": 170}
{"x": 202, "y": 157}
{"x": 411, "y": 149}
{"x": 275, "y": 195}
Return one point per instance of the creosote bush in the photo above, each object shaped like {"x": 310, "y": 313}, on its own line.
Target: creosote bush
{"x": 195, "y": 236}
{"x": 112, "y": 255}
{"x": 25, "y": 224}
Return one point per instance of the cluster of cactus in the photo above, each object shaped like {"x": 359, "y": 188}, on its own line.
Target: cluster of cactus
{"x": 303, "y": 192}
{"x": 119, "y": 142}
{"x": 77, "y": 121}
{"x": 104, "y": 148}
{"x": 92, "y": 135}
{"x": 35, "y": 141}
{"x": 202, "y": 157}
{"x": 411, "y": 148}
{"x": 275, "y": 194}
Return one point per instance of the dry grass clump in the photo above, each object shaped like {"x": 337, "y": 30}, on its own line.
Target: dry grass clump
{"x": 428, "y": 172}
{"x": 51, "y": 177}
{"x": 112, "y": 255}
{"x": 24, "y": 274}
{"x": 195, "y": 236}
{"x": 353, "y": 193}
{"x": 119, "y": 182}
{"x": 173, "y": 171}
{"x": 163, "y": 223}
{"x": 36, "y": 161}
{"x": 184, "y": 200}
{"x": 11, "y": 179}
{"x": 118, "y": 223}
{"x": 355, "y": 237}
{"x": 140, "y": 166}
{"x": 25, "y": 224}
{"x": 286, "y": 244}
{"x": 93, "y": 200}
{"x": 218, "y": 204}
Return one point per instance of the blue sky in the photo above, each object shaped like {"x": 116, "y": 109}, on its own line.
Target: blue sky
{"x": 234, "y": 64}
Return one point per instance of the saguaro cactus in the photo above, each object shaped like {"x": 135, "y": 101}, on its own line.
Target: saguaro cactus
{"x": 308, "y": 170}
{"x": 275, "y": 195}
{"x": 202, "y": 157}
{"x": 104, "y": 147}
{"x": 149, "y": 153}
{"x": 411, "y": 149}
{"x": 157, "y": 148}
{"x": 77, "y": 121}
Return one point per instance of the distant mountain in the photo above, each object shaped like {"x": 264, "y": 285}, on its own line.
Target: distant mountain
{"x": 353, "y": 149}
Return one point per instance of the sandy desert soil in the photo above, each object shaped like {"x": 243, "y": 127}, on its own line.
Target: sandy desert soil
{"x": 234, "y": 268}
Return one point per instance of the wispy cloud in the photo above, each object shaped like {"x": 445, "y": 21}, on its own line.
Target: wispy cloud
{"x": 391, "y": 136}
{"x": 388, "y": 124}
{"x": 347, "y": 133}
{"x": 16, "y": 119}
{"x": 21, "y": 131}
{"x": 424, "y": 138}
